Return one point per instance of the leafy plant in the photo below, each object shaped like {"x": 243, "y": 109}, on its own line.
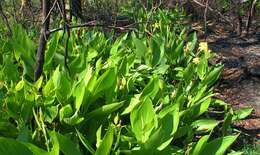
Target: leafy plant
{"x": 136, "y": 94}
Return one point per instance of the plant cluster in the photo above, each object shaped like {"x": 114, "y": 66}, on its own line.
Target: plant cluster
{"x": 143, "y": 92}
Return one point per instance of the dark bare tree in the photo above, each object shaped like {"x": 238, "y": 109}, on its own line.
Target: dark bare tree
{"x": 43, "y": 39}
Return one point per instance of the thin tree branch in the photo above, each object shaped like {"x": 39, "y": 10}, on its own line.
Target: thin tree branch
{"x": 205, "y": 19}
{"x": 212, "y": 10}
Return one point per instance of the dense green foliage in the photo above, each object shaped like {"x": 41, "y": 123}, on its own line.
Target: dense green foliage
{"x": 148, "y": 91}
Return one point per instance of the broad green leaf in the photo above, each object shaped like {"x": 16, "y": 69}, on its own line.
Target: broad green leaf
{"x": 78, "y": 64}
{"x": 50, "y": 113}
{"x": 193, "y": 41}
{"x": 133, "y": 103}
{"x": 227, "y": 123}
{"x": 219, "y": 145}
{"x": 105, "y": 110}
{"x": 79, "y": 93}
{"x": 19, "y": 85}
{"x": 65, "y": 112}
{"x": 213, "y": 75}
{"x": 142, "y": 120}
{"x": 74, "y": 119}
{"x": 49, "y": 88}
{"x": 52, "y": 47}
{"x": 63, "y": 87}
{"x": 67, "y": 147}
{"x": 164, "y": 134}
{"x": 151, "y": 89}
{"x": 242, "y": 113}
{"x": 117, "y": 43}
{"x": 200, "y": 145}
{"x": 11, "y": 146}
{"x": 202, "y": 68}
{"x": 141, "y": 48}
{"x": 124, "y": 67}
{"x": 85, "y": 142}
{"x": 98, "y": 136}
{"x": 106, "y": 144}
{"x": 204, "y": 125}
{"x": 198, "y": 109}
{"x": 38, "y": 83}
{"x": 8, "y": 130}
{"x": 36, "y": 150}
{"x": 105, "y": 81}
{"x": 235, "y": 153}
{"x": 157, "y": 52}
{"x": 178, "y": 52}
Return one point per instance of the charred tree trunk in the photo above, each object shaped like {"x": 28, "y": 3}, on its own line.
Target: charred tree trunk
{"x": 43, "y": 39}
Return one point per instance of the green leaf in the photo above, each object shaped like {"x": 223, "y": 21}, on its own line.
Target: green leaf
{"x": 199, "y": 108}
{"x": 202, "y": 68}
{"x": 50, "y": 113}
{"x": 163, "y": 136}
{"x": 201, "y": 144}
{"x": 8, "y": 130}
{"x": 105, "y": 81}
{"x": 106, "y": 144}
{"x": 79, "y": 93}
{"x": 105, "y": 110}
{"x": 52, "y": 47}
{"x": 141, "y": 48}
{"x": 204, "y": 125}
{"x": 213, "y": 75}
{"x": 36, "y": 150}
{"x": 63, "y": 91}
{"x": 74, "y": 119}
{"x": 66, "y": 146}
{"x": 85, "y": 142}
{"x": 219, "y": 145}
{"x": 226, "y": 124}
{"x": 117, "y": 43}
{"x": 49, "y": 88}
{"x": 66, "y": 112}
{"x": 133, "y": 103}
{"x": 157, "y": 52}
{"x": 242, "y": 113}
{"x": 151, "y": 89}
{"x": 11, "y": 146}
{"x": 142, "y": 120}
{"x": 19, "y": 85}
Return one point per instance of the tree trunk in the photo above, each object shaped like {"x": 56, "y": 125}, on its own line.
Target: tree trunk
{"x": 43, "y": 39}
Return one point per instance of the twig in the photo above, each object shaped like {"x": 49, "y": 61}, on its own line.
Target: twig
{"x": 210, "y": 9}
{"x": 94, "y": 24}
{"x": 49, "y": 13}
